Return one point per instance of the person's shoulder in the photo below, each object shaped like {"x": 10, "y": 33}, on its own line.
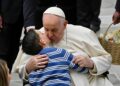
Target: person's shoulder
{"x": 53, "y": 49}
{"x": 78, "y": 29}
{"x": 49, "y": 49}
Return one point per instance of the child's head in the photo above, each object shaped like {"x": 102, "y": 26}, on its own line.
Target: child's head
{"x": 4, "y": 74}
{"x": 33, "y": 42}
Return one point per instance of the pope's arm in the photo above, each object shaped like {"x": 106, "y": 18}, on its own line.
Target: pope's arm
{"x": 20, "y": 63}
{"x": 101, "y": 58}
{"x": 87, "y": 41}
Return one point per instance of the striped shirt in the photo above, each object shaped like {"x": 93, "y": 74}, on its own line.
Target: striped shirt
{"x": 57, "y": 72}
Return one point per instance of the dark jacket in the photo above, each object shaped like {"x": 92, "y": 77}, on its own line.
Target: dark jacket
{"x": 12, "y": 10}
{"x": 117, "y": 6}
{"x": 69, "y": 7}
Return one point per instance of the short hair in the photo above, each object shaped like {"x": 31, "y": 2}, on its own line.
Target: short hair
{"x": 3, "y": 73}
{"x": 31, "y": 43}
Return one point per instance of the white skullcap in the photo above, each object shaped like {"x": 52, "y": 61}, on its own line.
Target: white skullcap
{"x": 55, "y": 11}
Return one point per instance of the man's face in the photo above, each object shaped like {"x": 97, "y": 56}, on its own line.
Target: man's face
{"x": 54, "y": 27}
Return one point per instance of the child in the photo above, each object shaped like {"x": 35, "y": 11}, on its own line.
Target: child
{"x": 57, "y": 71}
{"x": 4, "y": 73}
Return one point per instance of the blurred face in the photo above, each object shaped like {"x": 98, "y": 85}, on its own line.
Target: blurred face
{"x": 9, "y": 75}
{"x": 54, "y": 27}
{"x": 4, "y": 74}
{"x": 44, "y": 40}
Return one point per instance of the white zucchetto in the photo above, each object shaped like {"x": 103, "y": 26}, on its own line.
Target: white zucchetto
{"x": 55, "y": 11}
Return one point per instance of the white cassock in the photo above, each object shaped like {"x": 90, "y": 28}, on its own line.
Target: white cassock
{"x": 78, "y": 38}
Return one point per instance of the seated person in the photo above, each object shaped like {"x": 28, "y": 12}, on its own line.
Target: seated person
{"x": 60, "y": 61}
{"x": 73, "y": 38}
{"x": 4, "y": 74}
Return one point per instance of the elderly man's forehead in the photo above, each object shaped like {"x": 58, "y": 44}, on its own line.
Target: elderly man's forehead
{"x": 51, "y": 19}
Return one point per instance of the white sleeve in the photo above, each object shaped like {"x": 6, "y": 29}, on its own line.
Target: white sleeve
{"x": 88, "y": 42}
{"x": 19, "y": 65}
{"x": 17, "y": 61}
{"x": 102, "y": 59}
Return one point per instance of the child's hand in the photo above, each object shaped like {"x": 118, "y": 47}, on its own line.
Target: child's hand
{"x": 36, "y": 62}
{"x": 83, "y": 61}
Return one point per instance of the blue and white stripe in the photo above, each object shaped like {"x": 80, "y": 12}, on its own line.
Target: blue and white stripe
{"x": 57, "y": 71}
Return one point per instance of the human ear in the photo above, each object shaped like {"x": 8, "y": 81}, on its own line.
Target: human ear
{"x": 65, "y": 23}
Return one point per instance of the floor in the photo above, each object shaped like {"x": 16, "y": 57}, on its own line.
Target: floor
{"x": 107, "y": 10}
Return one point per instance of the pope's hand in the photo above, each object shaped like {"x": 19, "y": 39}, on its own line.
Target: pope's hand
{"x": 116, "y": 18}
{"x": 83, "y": 61}
{"x": 36, "y": 62}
